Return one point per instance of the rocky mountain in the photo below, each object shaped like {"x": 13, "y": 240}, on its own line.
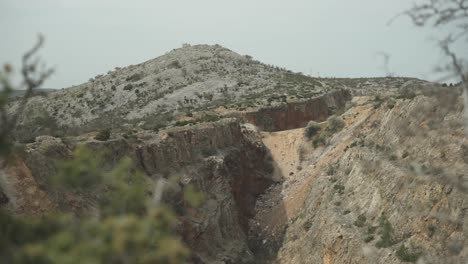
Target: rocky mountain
{"x": 378, "y": 176}
{"x": 186, "y": 84}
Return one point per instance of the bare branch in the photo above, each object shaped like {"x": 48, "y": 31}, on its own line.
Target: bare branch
{"x": 32, "y": 79}
{"x": 447, "y": 12}
{"x": 439, "y": 12}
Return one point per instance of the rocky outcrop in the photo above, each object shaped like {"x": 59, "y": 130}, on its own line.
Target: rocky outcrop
{"x": 228, "y": 164}
{"x": 389, "y": 188}
{"x": 298, "y": 114}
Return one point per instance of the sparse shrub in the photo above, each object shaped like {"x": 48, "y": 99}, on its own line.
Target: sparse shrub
{"x": 184, "y": 72}
{"x": 371, "y": 229}
{"x": 208, "y": 96}
{"x": 128, "y": 87}
{"x": 335, "y": 123}
{"x": 464, "y": 151}
{"x": 134, "y": 77}
{"x": 209, "y": 118}
{"x": 368, "y": 238}
{"x": 347, "y": 211}
{"x": 307, "y": 225}
{"x": 77, "y": 114}
{"x": 174, "y": 65}
{"x": 199, "y": 95}
{"x": 103, "y": 135}
{"x": 404, "y": 254}
{"x": 360, "y": 221}
{"x": 320, "y": 139}
{"x": 378, "y": 101}
{"x": 42, "y": 123}
{"x": 405, "y": 154}
{"x": 339, "y": 188}
{"x": 182, "y": 123}
{"x": 391, "y": 103}
{"x": 386, "y": 233}
{"x": 330, "y": 169}
{"x": 431, "y": 230}
{"x": 312, "y": 129}
{"x": 113, "y": 88}
{"x": 406, "y": 93}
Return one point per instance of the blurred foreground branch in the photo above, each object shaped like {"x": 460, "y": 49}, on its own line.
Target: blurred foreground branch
{"x": 34, "y": 73}
{"x": 454, "y": 15}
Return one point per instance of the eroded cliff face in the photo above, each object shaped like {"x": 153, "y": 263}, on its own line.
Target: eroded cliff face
{"x": 394, "y": 177}
{"x": 298, "y": 114}
{"x": 227, "y": 162}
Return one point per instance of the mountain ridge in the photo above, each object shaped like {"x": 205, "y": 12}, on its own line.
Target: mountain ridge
{"x": 192, "y": 80}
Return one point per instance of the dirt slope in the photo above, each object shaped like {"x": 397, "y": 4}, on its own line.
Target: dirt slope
{"x": 284, "y": 148}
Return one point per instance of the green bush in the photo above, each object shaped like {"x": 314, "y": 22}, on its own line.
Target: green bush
{"x": 330, "y": 169}
{"x": 391, "y": 103}
{"x": 174, "y": 65}
{"x": 368, "y": 238}
{"x": 127, "y": 227}
{"x": 407, "y": 93}
{"x": 335, "y": 123}
{"x": 307, "y": 225}
{"x": 360, "y": 221}
{"x": 209, "y": 118}
{"x": 404, "y": 254}
{"x": 386, "y": 233}
{"x": 339, "y": 188}
{"x": 128, "y": 87}
{"x": 320, "y": 139}
{"x": 123, "y": 227}
{"x": 134, "y": 77}
{"x": 103, "y": 135}
{"x": 312, "y": 129}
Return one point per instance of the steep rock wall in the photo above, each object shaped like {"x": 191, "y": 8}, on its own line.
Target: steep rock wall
{"x": 228, "y": 163}
{"x": 298, "y": 114}
{"x": 397, "y": 176}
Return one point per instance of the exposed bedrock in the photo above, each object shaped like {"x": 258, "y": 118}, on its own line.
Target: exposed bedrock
{"x": 226, "y": 161}
{"x": 298, "y": 114}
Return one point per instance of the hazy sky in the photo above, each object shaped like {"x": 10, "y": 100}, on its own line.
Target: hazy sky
{"x": 318, "y": 37}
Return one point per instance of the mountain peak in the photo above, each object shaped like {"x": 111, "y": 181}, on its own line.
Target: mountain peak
{"x": 186, "y": 80}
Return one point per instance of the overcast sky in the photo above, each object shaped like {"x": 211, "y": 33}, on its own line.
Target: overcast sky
{"x": 338, "y": 38}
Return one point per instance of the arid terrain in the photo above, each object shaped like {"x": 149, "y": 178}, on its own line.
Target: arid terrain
{"x": 379, "y": 176}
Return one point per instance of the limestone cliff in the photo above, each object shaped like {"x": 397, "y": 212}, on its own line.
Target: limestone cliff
{"x": 389, "y": 188}
{"x": 298, "y": 114}
{"x": 228, "y": 163}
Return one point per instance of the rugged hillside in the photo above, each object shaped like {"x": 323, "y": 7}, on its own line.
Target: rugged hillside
{"x": 228, "y": 163}
{"x": 184, "y": 84}
{"x": 388, "y": 188}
